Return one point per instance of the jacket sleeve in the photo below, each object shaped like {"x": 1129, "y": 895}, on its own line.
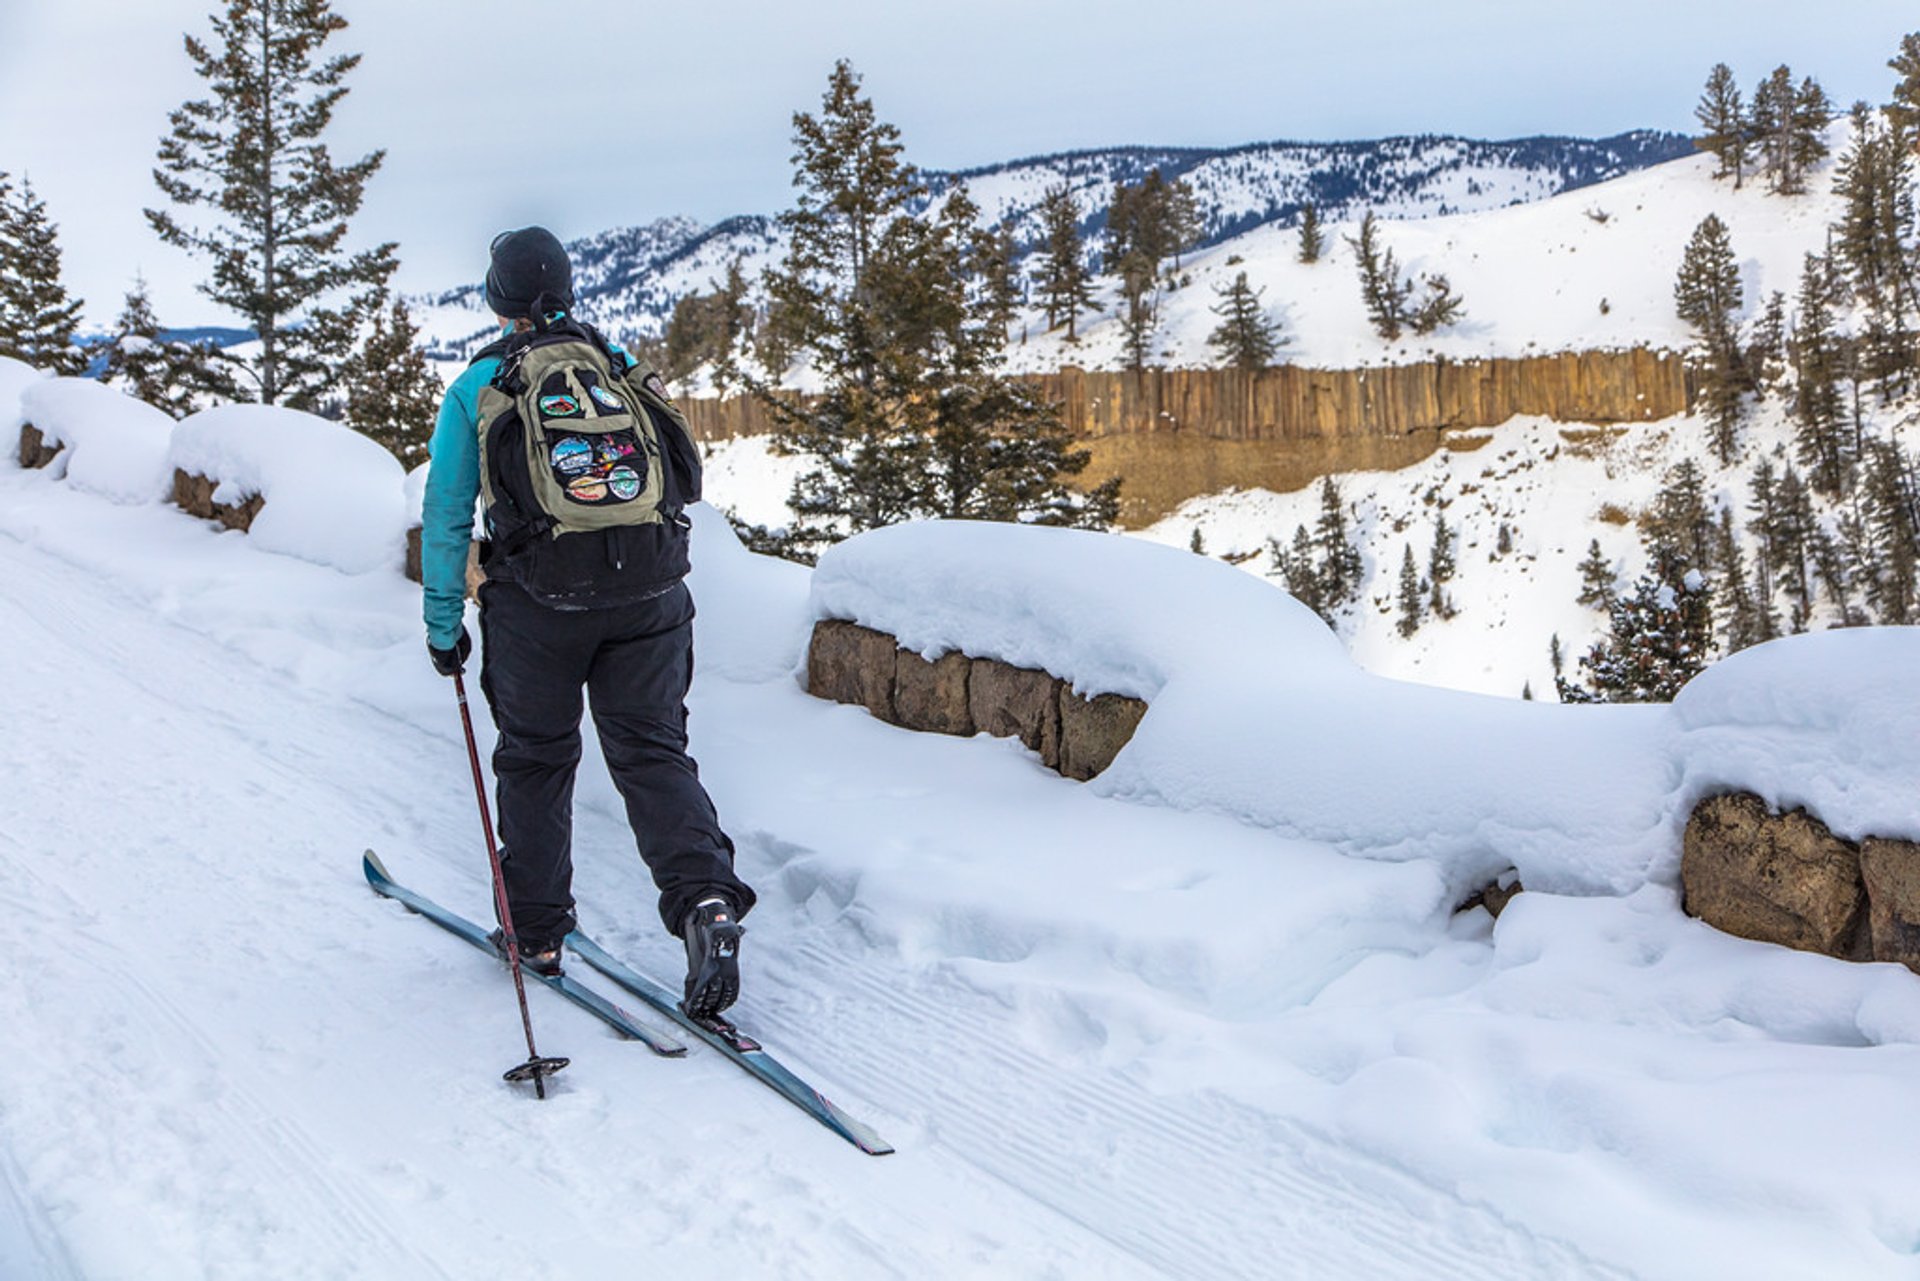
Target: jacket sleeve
{"x": 446, "y": 509}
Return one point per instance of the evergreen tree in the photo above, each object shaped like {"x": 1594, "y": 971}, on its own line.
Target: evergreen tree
{"x": 1245, "y": 338}
{"x": 1870, "y": 244}
{"x": 1892, "y": 503}
{"x": 1340, "y": 565}
{"x": 1904, "y": 110}
{"x": 1440, "y": 567}
{"x": 916, "y": 418}
{"x": 173, "y": 377}
{"x": 1312, "y": 240}
{"x": 1301, "y": 574}
{"x": 1812, "y": 111}
{"x": 1680, "y": 517}
{"x": 1822, "y": 442}
{"x": 1139, "y": 299}
{"x": 1742, "y": 620}
{"x": 278, "y": 206}
{"x": 1764, "y": 510}
{"x": 1198, "y": 543}
{"x": 1660, "y": 636}
{"x": 1766, "y": 357}
{"x": 1412, "y": 595}
{"x": 1707, "y": 295}
{"x": 37, "y": 318}
{"x": 1382, "y": 288}
{"x": 1773, "y": 127}
{"x": 1066, "y": 285}
{"x": 1439, "y": 306}
{"x": 1723, "y": 124}
{"x": 1596, "y": 578}
{"x": 708, "y": 328}
{"x": 390, "y": 392}
{"x": 1789, "y": 541}
{"x": 996, "y": 269}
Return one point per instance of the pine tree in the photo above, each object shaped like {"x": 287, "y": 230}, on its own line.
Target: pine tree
{"x": 916, "y": 418}
{"x": 1742, "y": 621}
{"x": 996, "y": 268}
{"x": 1596, "y": 578}
{"x": 1707, "y": 295}
{"x": 1245, "y": 338}
{"x": 1302, "y": 575}
{"x": 1660, "y": 636}
{"x": 1139, "y": 301}
{"x": 1066, "y": 285}
{"x": 1766, "y": 356}
{"x": 173, "y": 377}
{"x": 277, "y": 205}
{"x": 1439, "y": 306}
{"x": 1723, "y": 124}
{"x": 1812, "y": 111}
{"x": 1680, "y": 516}
{"x": 390, "y": 392}
{"x": 1381, "y": 287}
{"x": 1312, "y": 241}
{"x": 1772, "y": 120}
{"x": 1904, "y": 110}
{"x": 1891, "y": 499}
{"x": 37, "y": 318}
{"x": 1789, "y": 543}
{"x": 1412, "y": 595}
{"x": 1440, "y": 568}
{"x": 1822, "y": 442}
{"x": 1340, "y": 564}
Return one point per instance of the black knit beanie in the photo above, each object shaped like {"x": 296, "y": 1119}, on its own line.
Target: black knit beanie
{"x": 527, "y": 264}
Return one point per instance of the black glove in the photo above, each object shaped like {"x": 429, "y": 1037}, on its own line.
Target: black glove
{"x": 451, "y": 662}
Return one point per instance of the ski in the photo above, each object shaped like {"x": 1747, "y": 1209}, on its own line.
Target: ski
{"x": 730, "y": 1041}
{"x": 584, "y": 997}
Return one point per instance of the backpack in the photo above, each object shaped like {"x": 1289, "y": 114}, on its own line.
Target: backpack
{"x": 586, "y": 468}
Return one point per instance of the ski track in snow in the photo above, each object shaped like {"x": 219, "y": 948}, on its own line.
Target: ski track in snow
{"x": 229, "y": 1013}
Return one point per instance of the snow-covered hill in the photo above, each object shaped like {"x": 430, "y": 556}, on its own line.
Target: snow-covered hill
{"x": 628, "y": 279}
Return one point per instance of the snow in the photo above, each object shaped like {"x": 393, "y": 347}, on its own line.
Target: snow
{"x": 15, "y": 377}
{"x": 111, "y": 444}
{"x": 332, "y": 495}
{"x": 1211, "y": 1011}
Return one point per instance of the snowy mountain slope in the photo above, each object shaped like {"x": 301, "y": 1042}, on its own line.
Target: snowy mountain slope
{"x": 1110, "y": 1038}
{"x": 628, "y": 279}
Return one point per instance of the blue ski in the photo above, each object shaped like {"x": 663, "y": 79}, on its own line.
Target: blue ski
{"x": 586, "y": 998}
{"x": 730, "y": 1041}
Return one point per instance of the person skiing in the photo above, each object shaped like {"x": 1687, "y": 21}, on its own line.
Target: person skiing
{"x": 585, "y": 469}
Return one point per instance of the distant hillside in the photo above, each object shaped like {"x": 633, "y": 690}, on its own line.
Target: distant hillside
{"x": 629, "y": 278}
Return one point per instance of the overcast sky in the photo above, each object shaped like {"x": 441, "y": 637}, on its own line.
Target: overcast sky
{"x": 686, "y": 108}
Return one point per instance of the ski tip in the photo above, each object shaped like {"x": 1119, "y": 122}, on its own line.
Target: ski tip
{"x": 375, "y": 870}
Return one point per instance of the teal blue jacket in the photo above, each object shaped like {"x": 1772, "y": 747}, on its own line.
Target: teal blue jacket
{"x": 446, "y": 510}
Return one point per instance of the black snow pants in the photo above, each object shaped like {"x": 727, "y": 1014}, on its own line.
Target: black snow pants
{"x": 635, "y": 663}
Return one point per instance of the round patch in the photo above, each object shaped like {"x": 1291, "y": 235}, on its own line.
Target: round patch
{"x": 612, "y": 451}
{"x": 588, "y": 489}
{"x": 606, "y": 397}
{"x": 624, "y": 482}
{"x": 572, "y": 454}
{"x": 559, "y": 406}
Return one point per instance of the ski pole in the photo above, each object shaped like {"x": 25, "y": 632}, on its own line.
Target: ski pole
{"x": 535, "y": 1069}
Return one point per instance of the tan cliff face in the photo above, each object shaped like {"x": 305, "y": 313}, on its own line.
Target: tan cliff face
{"x": 1175, "y": 434}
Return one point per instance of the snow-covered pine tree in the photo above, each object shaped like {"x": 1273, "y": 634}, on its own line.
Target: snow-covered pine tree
{"x": 389, "y": 392}
{"x": 1707, "y": 295}
{"x": 1340, "y": 563}
{"x": 173, "y": 376}
{"x": 1245, "y": 338}
{"x": 37, "y": 317}
{"x": 1660, "y": 635}
{"x": 1723, "y": 124}
{"x": 276, "y": 206}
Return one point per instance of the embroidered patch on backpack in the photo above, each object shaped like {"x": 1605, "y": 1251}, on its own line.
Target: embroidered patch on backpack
{"x": 606, "y": 398}
{"x": 560, "y": 405}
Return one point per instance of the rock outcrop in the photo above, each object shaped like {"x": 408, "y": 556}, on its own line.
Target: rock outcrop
{"x": 194, "y": 495}
{"x": 955, "y": 694}
{"x": 34, "y": 451}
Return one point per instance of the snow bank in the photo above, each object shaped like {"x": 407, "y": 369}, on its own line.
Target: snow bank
{"x": 1113, "y": 615}
{"x": 15, "y": 377}
{"x": 111, "y": 444}
{"x": 1825, "y": 720}
{"x": 332, "y": 495}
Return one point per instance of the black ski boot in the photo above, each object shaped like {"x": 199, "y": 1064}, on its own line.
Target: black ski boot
{"x": 543, "y": 960}
{"x": 713, "y": 958}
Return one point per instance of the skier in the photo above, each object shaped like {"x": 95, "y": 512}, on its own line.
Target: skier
{"x": 585, "y": 560}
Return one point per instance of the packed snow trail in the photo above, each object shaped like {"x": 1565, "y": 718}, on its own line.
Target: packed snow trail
{"x": 232, "y": 1060}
